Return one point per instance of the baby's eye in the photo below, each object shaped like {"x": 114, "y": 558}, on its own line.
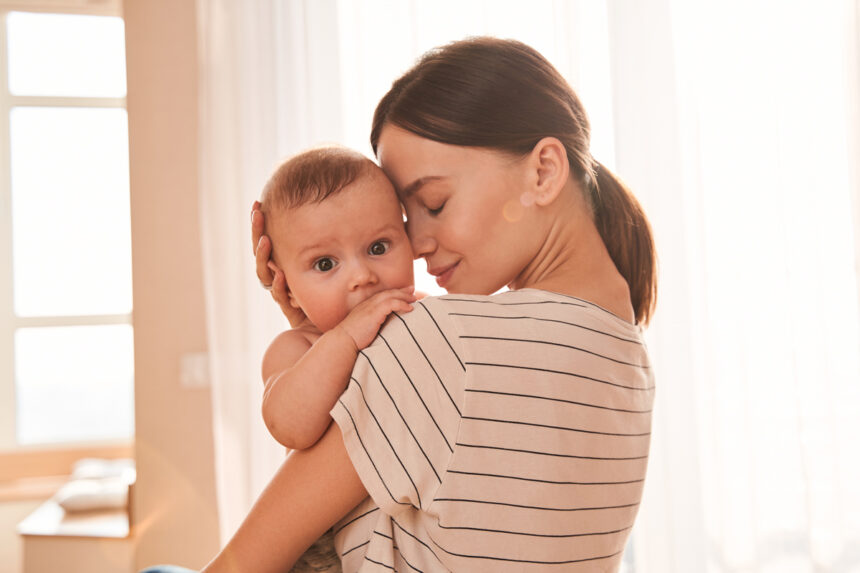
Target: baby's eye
{"x": 324, "y": 264}
{"x": 379, "y": 248}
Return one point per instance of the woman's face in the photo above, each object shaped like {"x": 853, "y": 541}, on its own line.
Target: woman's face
{"x": 465, "y": 210}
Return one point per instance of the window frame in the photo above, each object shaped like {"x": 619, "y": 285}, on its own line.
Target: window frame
{"x": 47, "y": 459}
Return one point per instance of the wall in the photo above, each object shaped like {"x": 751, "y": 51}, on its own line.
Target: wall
{"x": 11, "y": 513}
{"x": 174, "y": 508}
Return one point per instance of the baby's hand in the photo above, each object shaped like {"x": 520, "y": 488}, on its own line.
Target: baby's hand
{"x": 363, "y": 322}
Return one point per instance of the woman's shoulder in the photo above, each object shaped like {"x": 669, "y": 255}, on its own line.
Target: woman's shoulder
{"x": 501, "y": 298}
{"x": 529, "y": 297}
{"x": 535, "y": 305}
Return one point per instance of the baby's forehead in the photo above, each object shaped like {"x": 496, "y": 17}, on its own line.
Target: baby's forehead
{"x": 374, "y": 172}
{"x": 367, "y": 201}
{"x": 310, "y": 229}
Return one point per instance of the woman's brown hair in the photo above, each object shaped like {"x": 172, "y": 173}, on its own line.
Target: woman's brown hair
{"x": 502, "y": 94}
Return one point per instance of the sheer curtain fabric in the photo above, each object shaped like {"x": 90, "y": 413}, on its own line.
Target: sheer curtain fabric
{"x": 735, "y": 123}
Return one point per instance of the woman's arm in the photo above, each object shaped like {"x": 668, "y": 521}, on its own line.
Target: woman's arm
{"x": 311, "y": 491}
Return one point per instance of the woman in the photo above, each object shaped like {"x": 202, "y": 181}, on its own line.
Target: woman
{"x": 493, "y": 432}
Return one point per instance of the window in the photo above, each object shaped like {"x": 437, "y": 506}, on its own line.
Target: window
{"x": 66, "y": 351}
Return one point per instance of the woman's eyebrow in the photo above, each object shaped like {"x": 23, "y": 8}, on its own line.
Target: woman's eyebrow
{"x": 413, "y": 187}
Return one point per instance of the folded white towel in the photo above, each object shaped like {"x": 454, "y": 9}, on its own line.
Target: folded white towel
{"x": 97, "y": 485}
{"x": 93, "y": 494}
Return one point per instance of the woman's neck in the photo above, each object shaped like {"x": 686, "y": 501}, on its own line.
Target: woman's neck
{"x": 573, "y": 260}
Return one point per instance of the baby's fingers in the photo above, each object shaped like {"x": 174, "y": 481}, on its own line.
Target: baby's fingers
{"x": 397, "y": 302}
{"x": 399, "y": 305}
{"x": 405, "y": 293}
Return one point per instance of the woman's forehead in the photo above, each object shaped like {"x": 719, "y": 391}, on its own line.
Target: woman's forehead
{"x": 412, "y": 161}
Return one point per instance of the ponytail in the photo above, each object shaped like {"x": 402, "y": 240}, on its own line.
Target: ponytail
{"x": 626, "y": 232}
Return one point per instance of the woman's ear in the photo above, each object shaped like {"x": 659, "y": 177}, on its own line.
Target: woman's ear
{"x": 548, "y": 160}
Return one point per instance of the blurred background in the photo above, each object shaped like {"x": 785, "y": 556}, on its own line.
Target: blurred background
{"x": 135, "y": 134}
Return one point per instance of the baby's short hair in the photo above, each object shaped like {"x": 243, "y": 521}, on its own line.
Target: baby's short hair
{"x": 312, "y": 176}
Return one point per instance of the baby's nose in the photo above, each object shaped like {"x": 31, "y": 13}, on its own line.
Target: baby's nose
{"x": 362, "y": 275}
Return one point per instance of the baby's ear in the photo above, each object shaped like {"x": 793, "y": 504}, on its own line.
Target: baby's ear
{"x": 280, "y": 293}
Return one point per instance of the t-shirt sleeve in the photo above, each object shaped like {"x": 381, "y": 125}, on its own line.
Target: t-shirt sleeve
{"x": 400, "y": 413}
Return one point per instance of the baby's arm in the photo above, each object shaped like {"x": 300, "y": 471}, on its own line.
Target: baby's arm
{"x": 304, "y": 380}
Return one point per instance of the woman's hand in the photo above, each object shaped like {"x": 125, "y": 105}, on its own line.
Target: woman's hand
{"x": 271, "y": 277}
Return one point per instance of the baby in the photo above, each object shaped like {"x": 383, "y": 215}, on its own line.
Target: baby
{"x": 338, "y": 237}
{"x": 337, "y": 234}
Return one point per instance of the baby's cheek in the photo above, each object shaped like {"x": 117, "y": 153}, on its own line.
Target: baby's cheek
{"x": 331, "y": 317}
{"x": 407, "y": 274}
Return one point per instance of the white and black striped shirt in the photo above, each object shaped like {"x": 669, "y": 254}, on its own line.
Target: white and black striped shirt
{"x": 497, "y": 433}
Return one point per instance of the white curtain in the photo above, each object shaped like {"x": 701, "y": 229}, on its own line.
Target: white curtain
{"x": 734, "y": 122}
{"x": 258, "y": 103}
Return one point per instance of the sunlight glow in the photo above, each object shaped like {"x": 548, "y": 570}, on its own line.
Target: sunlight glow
{"x": 70, "y": 208}
{"x": 66, "y": 55}
{"x": 782, "y": 335}
{"x": 71, "y": 237}
{"x": 83, "y": 392}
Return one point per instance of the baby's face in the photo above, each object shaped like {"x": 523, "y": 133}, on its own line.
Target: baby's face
{"x": 340, "y": 252}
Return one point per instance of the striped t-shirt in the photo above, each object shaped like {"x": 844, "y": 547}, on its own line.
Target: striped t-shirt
{"x": 497, "y": 433}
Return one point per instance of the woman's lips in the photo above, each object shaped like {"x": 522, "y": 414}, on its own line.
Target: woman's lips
{"x": 444, "y": 277}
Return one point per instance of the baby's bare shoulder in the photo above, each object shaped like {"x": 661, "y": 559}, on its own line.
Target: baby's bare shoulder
{"x": 295, "y": 337}
{"x": 307, "y": 333}
{"x": 286, "y": 349}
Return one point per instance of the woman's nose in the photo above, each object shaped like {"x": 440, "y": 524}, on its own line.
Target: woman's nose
{"x": 422, "y": 243}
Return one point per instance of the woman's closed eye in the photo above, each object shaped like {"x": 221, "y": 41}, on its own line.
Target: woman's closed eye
{"x": 435, "y": 211}
{"x": 379, "y": 248}
{"x": 324, "y": 264}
